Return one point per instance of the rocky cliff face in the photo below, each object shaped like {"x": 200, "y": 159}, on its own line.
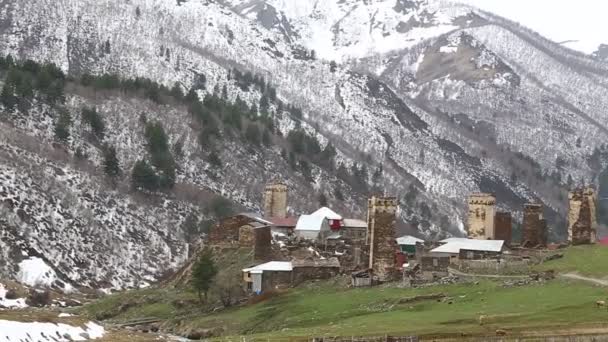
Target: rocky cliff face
{"x": 446, "y": 98}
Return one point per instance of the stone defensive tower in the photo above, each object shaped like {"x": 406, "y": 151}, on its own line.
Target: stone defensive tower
{"x": 534, "y": 226}
{"x": 381, "y": 230}
{"x": 480, "y": 224}
{"x": 582, "y": 222}
{"x": 275, "y": 200}
{"x": 503, "y": 229}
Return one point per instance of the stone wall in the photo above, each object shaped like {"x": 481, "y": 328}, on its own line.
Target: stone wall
{"x": 503, "y": 229}
{"x": 482, "y": 208}
{"x": 355, "y": 234}
{"x": 275, "y": 200}
{"x": 476, "y": 255}
{"x": 273, "y": 279}
{"x": 434, "y": 263}
{"x": 381, "y": 223}
{"x": 305, "y": 273}
{"x": 262, "y": 244}
{"x": 582, "y": 222}
{"x": 534, "y": 226}
{"x": 227, "y": 230}
{"x": 493, "y": 266}
{"x": 246, "y": 235}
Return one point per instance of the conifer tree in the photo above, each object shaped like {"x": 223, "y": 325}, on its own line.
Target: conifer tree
{"x": 203, "y": 273}
{"x": 111, "y": 164}
{"x": 62, "y": 127}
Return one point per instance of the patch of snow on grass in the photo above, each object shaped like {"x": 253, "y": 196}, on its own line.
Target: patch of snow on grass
{"x": 10, "y": 303}
{"x": 11, "y": 331}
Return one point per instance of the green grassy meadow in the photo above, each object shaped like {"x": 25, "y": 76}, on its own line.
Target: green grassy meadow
{"x": 591, "y": 261}
{"x": 331, "y": 309}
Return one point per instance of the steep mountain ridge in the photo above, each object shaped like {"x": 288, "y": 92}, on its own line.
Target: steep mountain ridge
{"x": 448, "y": 99}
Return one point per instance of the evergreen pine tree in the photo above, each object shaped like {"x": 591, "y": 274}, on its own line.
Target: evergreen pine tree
{"x": 203, "y": 273}
{"x": 62, "y": 127}
{"x": 333, "y": 66}
{"x": 7, "y": 96}
{"x": 111, "y": 164}
{"x": 266, "y": 139}
{"x": 214, "y": 159}
{"x": 95, "y": 121}
{"x": 253, "y": 134}
{"x": 322, "y": 200}
{"x": 143, "y": 177}
{"x": 177, "y": 92}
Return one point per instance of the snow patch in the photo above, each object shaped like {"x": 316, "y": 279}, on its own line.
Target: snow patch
{"x": 35, "y": 272}
{"x": 10, "y": 303}
{"x": 35, "y": 331}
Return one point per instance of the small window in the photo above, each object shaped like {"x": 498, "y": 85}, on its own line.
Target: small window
{"x": 435, "y": 262}
{"x": 470, "y": 255}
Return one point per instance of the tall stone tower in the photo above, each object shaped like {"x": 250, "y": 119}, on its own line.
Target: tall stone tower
{"x": 482, "y": 208}
{"x": 275, "y": 200}
{"x": 503, "y": 227}
{"x": 582, "y": 222}
{"x": 381, "y": 231}
{"x": 534, "y": 226}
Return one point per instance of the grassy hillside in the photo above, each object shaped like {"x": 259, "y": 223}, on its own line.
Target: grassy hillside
{"x": 328, "y": 310}
{"x": 590, "y": 261}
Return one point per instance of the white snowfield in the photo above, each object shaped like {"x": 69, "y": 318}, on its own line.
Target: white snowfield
{"x": 11, "y": 331}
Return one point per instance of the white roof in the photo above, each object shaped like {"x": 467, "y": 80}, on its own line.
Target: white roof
{"x": 454, "y": 246}
{"x": 408, "y": 240}
{"x": 310, "y": 222}
{"x": 354, "y": 223}
{"x": 284, "y": 266}
{"x": 327, "y": 213}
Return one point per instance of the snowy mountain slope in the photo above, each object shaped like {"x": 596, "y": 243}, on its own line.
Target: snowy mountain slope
{"x": 534, "y": 76}
{"x": 448, "y": 99}
{"x": 226, "y": 37}
{"x": 343, "y": 30}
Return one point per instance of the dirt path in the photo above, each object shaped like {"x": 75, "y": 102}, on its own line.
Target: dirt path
{"x": 575, "y": 276}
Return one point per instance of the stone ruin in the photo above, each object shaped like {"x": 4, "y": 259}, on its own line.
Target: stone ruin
{"x": 482, "y": 208}
{"x": 582, "y": 223}
{"x": 503, "y": 229}
{"x": 534, "y": 226}
{"x": 381, "y": 222}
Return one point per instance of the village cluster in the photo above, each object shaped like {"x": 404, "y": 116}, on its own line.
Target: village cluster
{"x": 288, "y": 250}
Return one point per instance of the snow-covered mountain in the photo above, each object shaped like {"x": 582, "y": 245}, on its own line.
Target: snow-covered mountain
{"x": 448, "y": 99}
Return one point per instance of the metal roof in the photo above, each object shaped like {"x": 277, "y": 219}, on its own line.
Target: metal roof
{"x": 408, "y": 240}
{"x": 310, "y": 222}
{"x": 277, "y": 266}
{"x": 327, "y": 213}
{"x": 286, "y": 222}
{"x": 255, "y": 217}
{"x": 454, "y": 246}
